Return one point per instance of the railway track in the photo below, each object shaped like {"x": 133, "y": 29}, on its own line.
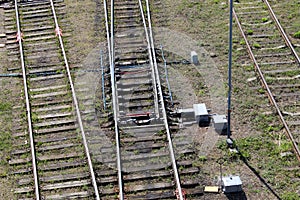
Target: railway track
{"x": 289, "y": 23}
{"x": 51, "y": 158}
{"x": 275, "y": 60}
{"x": 151, "y": 162}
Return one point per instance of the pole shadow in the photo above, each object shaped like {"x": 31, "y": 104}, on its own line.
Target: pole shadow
{"x": 257, "y": 175}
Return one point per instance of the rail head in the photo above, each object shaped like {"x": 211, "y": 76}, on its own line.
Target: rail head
{"x": 110, "y": 43}
{"x": 28, "y": 108}
{"x": 161, "y": 99}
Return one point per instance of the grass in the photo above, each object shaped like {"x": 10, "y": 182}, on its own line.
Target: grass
{"x": 5, "y": 107}
{"x": 275, "y": 170}
{"x": 264, "y": 19}
{"x": 290, "y": 196}
{"x": 5, "y": 122}
{"x": 256, "y": 45}
{"x": 297, "y": 34}
{"x": 5, "y": 138}
{"x": 250, "y": 32}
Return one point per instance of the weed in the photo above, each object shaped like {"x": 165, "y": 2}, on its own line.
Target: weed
{"x": 249, "y": 68}
{"x": 297, "y": 34}
{"x": 34, "y": 117}
{"x": 264, "y": 19}
{"x": 256, "y": 45}
{"x": 242, "y": 42}
{"x": 250, "y": 32}
{"x": 285, "y": 146}
{"x": 202, "y": 158}
{"x": 261, "y": 91}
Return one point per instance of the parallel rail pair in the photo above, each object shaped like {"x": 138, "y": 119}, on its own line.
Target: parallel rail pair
{"x": 138, "y": 103}
{"x": 275, "y": 59}
{"x": 58, "y": 155}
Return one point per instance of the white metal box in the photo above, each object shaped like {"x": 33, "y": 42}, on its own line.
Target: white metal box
{"x": 201, "y": 113}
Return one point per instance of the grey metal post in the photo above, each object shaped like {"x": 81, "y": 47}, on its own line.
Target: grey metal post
{"x": 229, "y": 69}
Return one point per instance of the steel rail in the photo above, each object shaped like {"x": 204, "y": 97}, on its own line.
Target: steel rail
{"x": 115, "y": 107}
{"x": 28, "y": 108}
{"x": 270, "y": 95}
{"x": 94, "y": 183}
{"x": 161, "y": 98}
{"x": 107, "y": 31}
{"x": 283, "y": 34}
{"x": 151, "y": 60}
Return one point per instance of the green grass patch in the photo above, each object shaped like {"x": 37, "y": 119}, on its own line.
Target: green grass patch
{"x": 250, "y": 32}
{"x": 5, "y": 141}
{"x": 5, "y": 106}
{"x": 297, "y": 34}
{"x": 290, "y": 196}
{"x": 264, "y": 19}
{"x": 256, "y": 45}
